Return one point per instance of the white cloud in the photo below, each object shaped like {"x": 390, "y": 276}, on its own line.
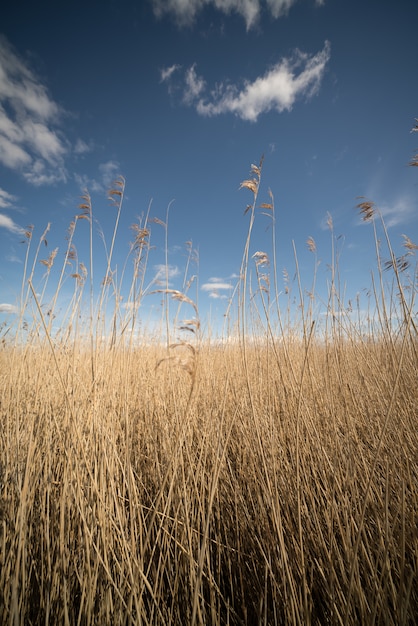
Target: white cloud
{"x": 185, "y": 11}
{"x": 167, "y": 72}
{"x": 6, "y": 199}
{"x": 8, "y": 308}
{"x": 12, "y": 155}
{"x": 279, "y": 7}
{"x": 109, "y": 171}
{"x": 43, "y": 141}
{"x": 401, "y": 211}
{"x": 216, "y": 279}
{"x": 9, "y": 224}
{"x": 297, "y": 77}
{"x": 162, "y": 271}
{"x": 91, "y": 184}
{"x": 39, "y": 174}
{"x": 81, "y": 147}
{"x": 194, "y": 85}
{"x": 30, "y": 140}
{"x": 215, "y": 285}
{"x": 215, "y": 288}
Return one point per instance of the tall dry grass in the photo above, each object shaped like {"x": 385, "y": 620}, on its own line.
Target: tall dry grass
{"x": 270, "y": 478}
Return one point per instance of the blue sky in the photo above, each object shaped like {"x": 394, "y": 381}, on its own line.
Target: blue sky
{"x": 181, "y": 97}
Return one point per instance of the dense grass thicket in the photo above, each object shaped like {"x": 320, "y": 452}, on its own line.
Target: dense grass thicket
{"x": 269, "y": 478}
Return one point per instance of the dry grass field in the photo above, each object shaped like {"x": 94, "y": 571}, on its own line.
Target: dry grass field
{"x": 272, "y": 479}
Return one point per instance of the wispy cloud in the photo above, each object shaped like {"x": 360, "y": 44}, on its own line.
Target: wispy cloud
{"x": 8, "y": 308}
{"x": 165, "y": 271}
{"x": 107, "y": 173}
{"x": 12, "y": 258}
{"x": 30, "y": 139}
{"x": 7, "y": 223}
{"x": 81, "y": 147}
{"x": 167, "y": 72}
{"x": 185, "y": 11}
{"x": 298, "y": 76}
{"x": 91, "y": 184}
{"x": 6, "y": 199}
{"x": 195, "y": 85}
{"x": 400, "y": 211}
{"x": 216, "y": 288}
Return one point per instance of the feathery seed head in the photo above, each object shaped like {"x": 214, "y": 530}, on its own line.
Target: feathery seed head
{"x": 367, "y": 209}
{"x": 310, "y": 242}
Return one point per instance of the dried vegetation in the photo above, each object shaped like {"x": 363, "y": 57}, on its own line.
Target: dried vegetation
{"x": 270, "y": 478}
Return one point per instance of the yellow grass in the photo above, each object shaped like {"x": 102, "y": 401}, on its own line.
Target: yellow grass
{"x": 267, "y": 480}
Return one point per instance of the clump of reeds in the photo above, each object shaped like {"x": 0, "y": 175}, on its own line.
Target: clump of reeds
{"x": 269, "y": 478}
